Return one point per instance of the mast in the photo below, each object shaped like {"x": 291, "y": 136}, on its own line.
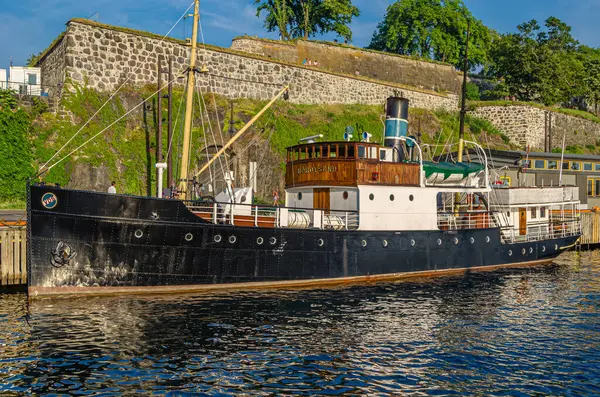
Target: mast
{"x": 463, "y": 110}
{"x": 183, "y": 179}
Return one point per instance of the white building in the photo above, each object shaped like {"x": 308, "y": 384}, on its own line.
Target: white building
{"x": 3, "y": 79}
{"x": 25, "y": 80}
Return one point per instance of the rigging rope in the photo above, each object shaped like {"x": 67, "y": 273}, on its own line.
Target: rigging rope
{"x": 41, "y": 170}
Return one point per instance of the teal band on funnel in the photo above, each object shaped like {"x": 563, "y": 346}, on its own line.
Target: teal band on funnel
{"x": 395, "y": 128}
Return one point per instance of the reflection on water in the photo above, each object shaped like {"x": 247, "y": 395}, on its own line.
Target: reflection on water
{"x": 510, "y": 332}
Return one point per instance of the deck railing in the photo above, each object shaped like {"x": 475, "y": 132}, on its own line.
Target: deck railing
{"x": 466, "y": 220}
{"x": 544, "y": 230}
{"x": 275, "y": 216}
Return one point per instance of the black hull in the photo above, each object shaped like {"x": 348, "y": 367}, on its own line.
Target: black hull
{"x": 113, "y": 243}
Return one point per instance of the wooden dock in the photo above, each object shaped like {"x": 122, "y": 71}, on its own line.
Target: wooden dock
{"x": 13, "y": 249}
{"x": 590, "y": 228}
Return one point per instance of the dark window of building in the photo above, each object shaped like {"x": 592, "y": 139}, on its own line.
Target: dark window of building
{"x": 596, "y": 166}
{"x": 566, "y": 166}
{"x": 587, "y": 166}
{"x": 32, "y": 79}
{"x": 552, "y": 165}
{"x": 597, "y": 188}
{"x": 590, "y": 187}
{"x": 576, "y": 166}
{"x": 539, "y": 164}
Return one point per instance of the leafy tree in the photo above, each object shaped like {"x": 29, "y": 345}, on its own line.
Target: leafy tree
{"x": 472, "y": 92}
{"x": 307, "y": 18}
{"x": 15, "y": 150}
{"x": 433, "y": 29}
{"x": 539, "y": 64}
{"x": 32, "y": 60}
{"x": 591, "y": 80}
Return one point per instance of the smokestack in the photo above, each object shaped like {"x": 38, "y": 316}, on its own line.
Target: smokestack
{"x": 396, "y": 125}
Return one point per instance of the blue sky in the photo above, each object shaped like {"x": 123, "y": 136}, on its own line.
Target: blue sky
{"x": 29, "y": 26}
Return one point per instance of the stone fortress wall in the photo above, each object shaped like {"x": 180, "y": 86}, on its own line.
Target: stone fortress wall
{"x": 104, "y": 57}
{"x": 525, "y": 125}
{"x": 350, "y": 60}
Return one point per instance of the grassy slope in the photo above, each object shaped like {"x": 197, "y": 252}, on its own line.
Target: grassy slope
{"x": 122, "y": 148}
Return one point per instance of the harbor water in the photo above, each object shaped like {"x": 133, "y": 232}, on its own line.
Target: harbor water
{"x": 533, "y": 331}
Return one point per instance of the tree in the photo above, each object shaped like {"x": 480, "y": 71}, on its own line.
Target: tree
{"x": 539, "y": 64}
{"x": 433, "y": 29}
{"x": 307, "y": 18}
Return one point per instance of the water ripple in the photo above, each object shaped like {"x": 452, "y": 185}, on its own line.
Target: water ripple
{"x": 511, "y": 332}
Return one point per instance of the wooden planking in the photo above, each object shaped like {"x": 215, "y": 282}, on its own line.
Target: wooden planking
{"x": 13, "y": 262}
{"x": 387, "y": 173}
{"x": 327, "y": 172}
{"x": 320, "y": 172}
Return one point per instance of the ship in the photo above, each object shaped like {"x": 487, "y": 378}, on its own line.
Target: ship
{"x": 354, "y": 211}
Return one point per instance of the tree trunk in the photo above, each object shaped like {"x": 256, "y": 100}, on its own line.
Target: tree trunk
{"x": 305, "y": 8}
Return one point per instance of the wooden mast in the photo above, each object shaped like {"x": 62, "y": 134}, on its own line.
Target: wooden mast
{"x": 183, "y": 178}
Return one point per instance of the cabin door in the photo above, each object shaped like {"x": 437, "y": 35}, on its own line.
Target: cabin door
{"x": 321, "y": 199}
{"x": 522, "y": 221}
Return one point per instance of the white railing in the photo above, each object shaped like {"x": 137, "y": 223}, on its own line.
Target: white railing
{"x": 274, "y": 216}
{"x": 543, "y": 230}
{"x": 466, "y": 220}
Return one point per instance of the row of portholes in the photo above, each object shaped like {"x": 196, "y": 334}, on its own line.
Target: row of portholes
{"x": 439, "y": 241}
{"x": 139, "y": 234}
{"x": 392, "y": 197}
{"x": 524, "y": 250}
{"x": 233, "y": 239}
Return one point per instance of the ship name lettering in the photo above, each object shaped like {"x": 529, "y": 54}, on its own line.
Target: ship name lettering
{"x": 318, "y": 168}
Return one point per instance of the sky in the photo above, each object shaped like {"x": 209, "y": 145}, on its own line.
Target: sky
{"x": 29, "y": 26}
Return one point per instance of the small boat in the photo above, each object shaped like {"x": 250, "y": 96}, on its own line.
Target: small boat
{"x": 354, "y": 211}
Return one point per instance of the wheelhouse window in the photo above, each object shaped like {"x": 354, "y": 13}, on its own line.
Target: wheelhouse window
{"x": 552, "y": 165}
{"x": 362, "y": 152}
{"x": 333, "y": 151}
{"x": 533, "y": 212}
{"x": 542, "y": 212}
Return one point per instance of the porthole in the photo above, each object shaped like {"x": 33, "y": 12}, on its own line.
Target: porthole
{"x": 232, "y": 239}
{"x": 555, "y": 247}
{"x": 472, "y": 240}
{"x": 439, "y": 241}
{"x": 345, "y": 195}
{"x": 217, "y": 238}
{"x": 531, "y": 250}
{"x": 243, "y": 199}
{"x": 412, "y": 243}
{"x": 509, "y": 252}
{"x": 392, "y": 197}
{"x": 320, "y": 242}
{"x": 411, "y": 197}
{"x": 385, "y": 243}
{"x": 487, "y": 239}
{"x": 543, "y": 248}
{"x": 363, "y": 243}
{"x": 371, "y": 197}
{"x": 260, "y": 240}
{"x": 455, "y": 240}
{"x": 138, "y": 233}
{"x": 154, "y": 216}
{"x": 523, "y": 251}
{"x": 299, "y": 196}
{"x": 189, "y": 237}
{"x": 272, "y": 240}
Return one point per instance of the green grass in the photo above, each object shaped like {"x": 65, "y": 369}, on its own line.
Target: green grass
{"x": 15, "y": 204}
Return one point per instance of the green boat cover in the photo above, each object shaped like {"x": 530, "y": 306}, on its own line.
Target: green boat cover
{"x": 448, "y": 169}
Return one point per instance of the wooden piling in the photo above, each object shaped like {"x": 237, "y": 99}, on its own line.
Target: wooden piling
{"x": 13, "y": 263}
